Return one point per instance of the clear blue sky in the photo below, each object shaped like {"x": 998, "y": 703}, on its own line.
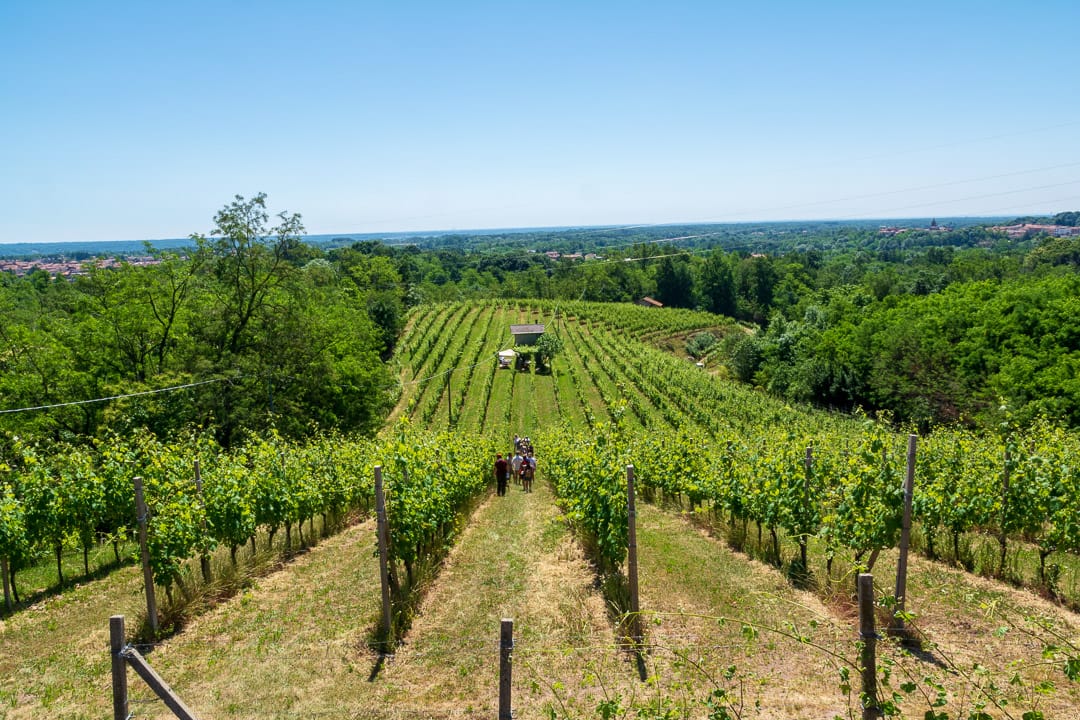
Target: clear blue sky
{"x": 140, "y": 120}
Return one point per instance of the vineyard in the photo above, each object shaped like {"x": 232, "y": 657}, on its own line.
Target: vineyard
{"x": 737, "y": 453}
{"x": 815, "y": 497}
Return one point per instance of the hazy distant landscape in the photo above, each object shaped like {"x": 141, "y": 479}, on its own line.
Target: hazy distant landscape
{"x": 113, "y": 248}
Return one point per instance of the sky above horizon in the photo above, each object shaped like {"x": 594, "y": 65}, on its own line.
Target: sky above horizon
{"x": 127, "y": 121}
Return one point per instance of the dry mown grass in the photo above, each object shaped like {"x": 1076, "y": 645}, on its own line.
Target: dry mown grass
{"x": 974, "y": 632}
{"x": 722, "y": 621}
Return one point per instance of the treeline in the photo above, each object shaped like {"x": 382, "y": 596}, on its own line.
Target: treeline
{"x": 956, "y": 355}
{"x": 264, "y": 331}
{"x": 745, "y": 274}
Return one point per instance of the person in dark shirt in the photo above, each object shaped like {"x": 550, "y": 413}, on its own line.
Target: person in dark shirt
{"x": 502, "y": 471}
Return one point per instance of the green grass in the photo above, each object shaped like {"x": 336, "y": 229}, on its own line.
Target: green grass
{"x": 570, "y": 408}
{"x": 40, "y": 580}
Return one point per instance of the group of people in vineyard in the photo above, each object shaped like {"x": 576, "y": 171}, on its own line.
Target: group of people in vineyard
{"x": 522, "y": 466}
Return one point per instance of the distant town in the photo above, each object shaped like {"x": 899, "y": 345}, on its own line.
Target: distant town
{"x": 1018, "y": 231}
{"x": 72, "y": 268}
{"x": 1025, "y": 230}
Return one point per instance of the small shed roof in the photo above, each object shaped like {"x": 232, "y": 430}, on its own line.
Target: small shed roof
{"x": 507, "y": 353}
{"x": 526, "y": 329}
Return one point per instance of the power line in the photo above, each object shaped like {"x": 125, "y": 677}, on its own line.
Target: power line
{"x": 971, "y": 197}
{"x": 860, "y": 216}
{"x": 440, "y": 374}
{"x": 113, "y": 397}
{"x": 917, "y": 188}
{"x": 872, "y": 156}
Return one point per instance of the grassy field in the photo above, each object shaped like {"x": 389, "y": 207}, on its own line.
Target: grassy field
{"x": 722, "y": 627}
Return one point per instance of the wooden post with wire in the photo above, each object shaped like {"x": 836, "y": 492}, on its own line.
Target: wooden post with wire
{"x": 7, "y": 584}
{"x": 161, "y": 688}
{"x": 631, "y": 558}
{"x": 119, "y": 668}
{"x": 867, "y": 656}
{"x": 506, "y": 649}
{"x": 144, "y": 551}
{"x": 897, "y": 623}
{"x": 124, "y": 655}
{"x": 384, "y": 558}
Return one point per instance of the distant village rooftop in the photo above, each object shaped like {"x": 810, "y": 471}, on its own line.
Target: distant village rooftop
{"x": 72, "y": 268}
{"x": 1023, "y": 230}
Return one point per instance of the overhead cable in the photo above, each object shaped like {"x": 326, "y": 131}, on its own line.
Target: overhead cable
{"x": 113, "y": 397}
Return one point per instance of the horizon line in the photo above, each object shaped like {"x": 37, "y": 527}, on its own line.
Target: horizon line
{"x": 523, "y": 229}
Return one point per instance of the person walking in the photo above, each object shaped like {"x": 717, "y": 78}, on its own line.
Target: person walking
{"x": 528, "y": 471}
{"x": 515, "y": 466}
{"x": 502, "y": 470}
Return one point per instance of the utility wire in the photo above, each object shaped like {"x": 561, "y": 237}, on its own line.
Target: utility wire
{"x": 444, "y": 372}
{"x": 917, "y": 188}
{"x": 873, "y": 156}
{"x": 860, "y": 216}
{"x": 113, "y": 397}
{"x": 969, "y": 197}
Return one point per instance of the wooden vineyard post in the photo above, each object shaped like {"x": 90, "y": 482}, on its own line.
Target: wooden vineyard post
{"x": 144, "y": 552}
{"x": 905, "y": 537}
{"x": 631, "y": 557}
{"x": 124, "y": 655}
{"x": 808, "y": 467}
{"x": 119, "y": 668}
{"x": 1003, "y": 538}
{"x": 7, "y": 583}
{"x": 384, "y": 550}
{"x": 204, "y": 561}
{"x": 161, "y": 688}
{"x": 449, "y": 406}
{"x": 868, "y": 638}
{"x": 506, "y": 648}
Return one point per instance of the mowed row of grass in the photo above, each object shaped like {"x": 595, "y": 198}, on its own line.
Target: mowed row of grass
{"x": 54, "y": 659}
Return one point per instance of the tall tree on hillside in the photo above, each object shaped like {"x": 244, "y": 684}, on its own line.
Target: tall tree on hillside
{"x": 755, "y": 283}
{"x": 718, "y": 284}
{"x": 675, "y": 282}
{"x": 246, "y": 294}
{"x": 380, "y": 286}
{"x": 249, "y": 261}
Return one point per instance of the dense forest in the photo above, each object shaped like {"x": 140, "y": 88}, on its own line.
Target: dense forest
{"x": 929, "y": 325}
